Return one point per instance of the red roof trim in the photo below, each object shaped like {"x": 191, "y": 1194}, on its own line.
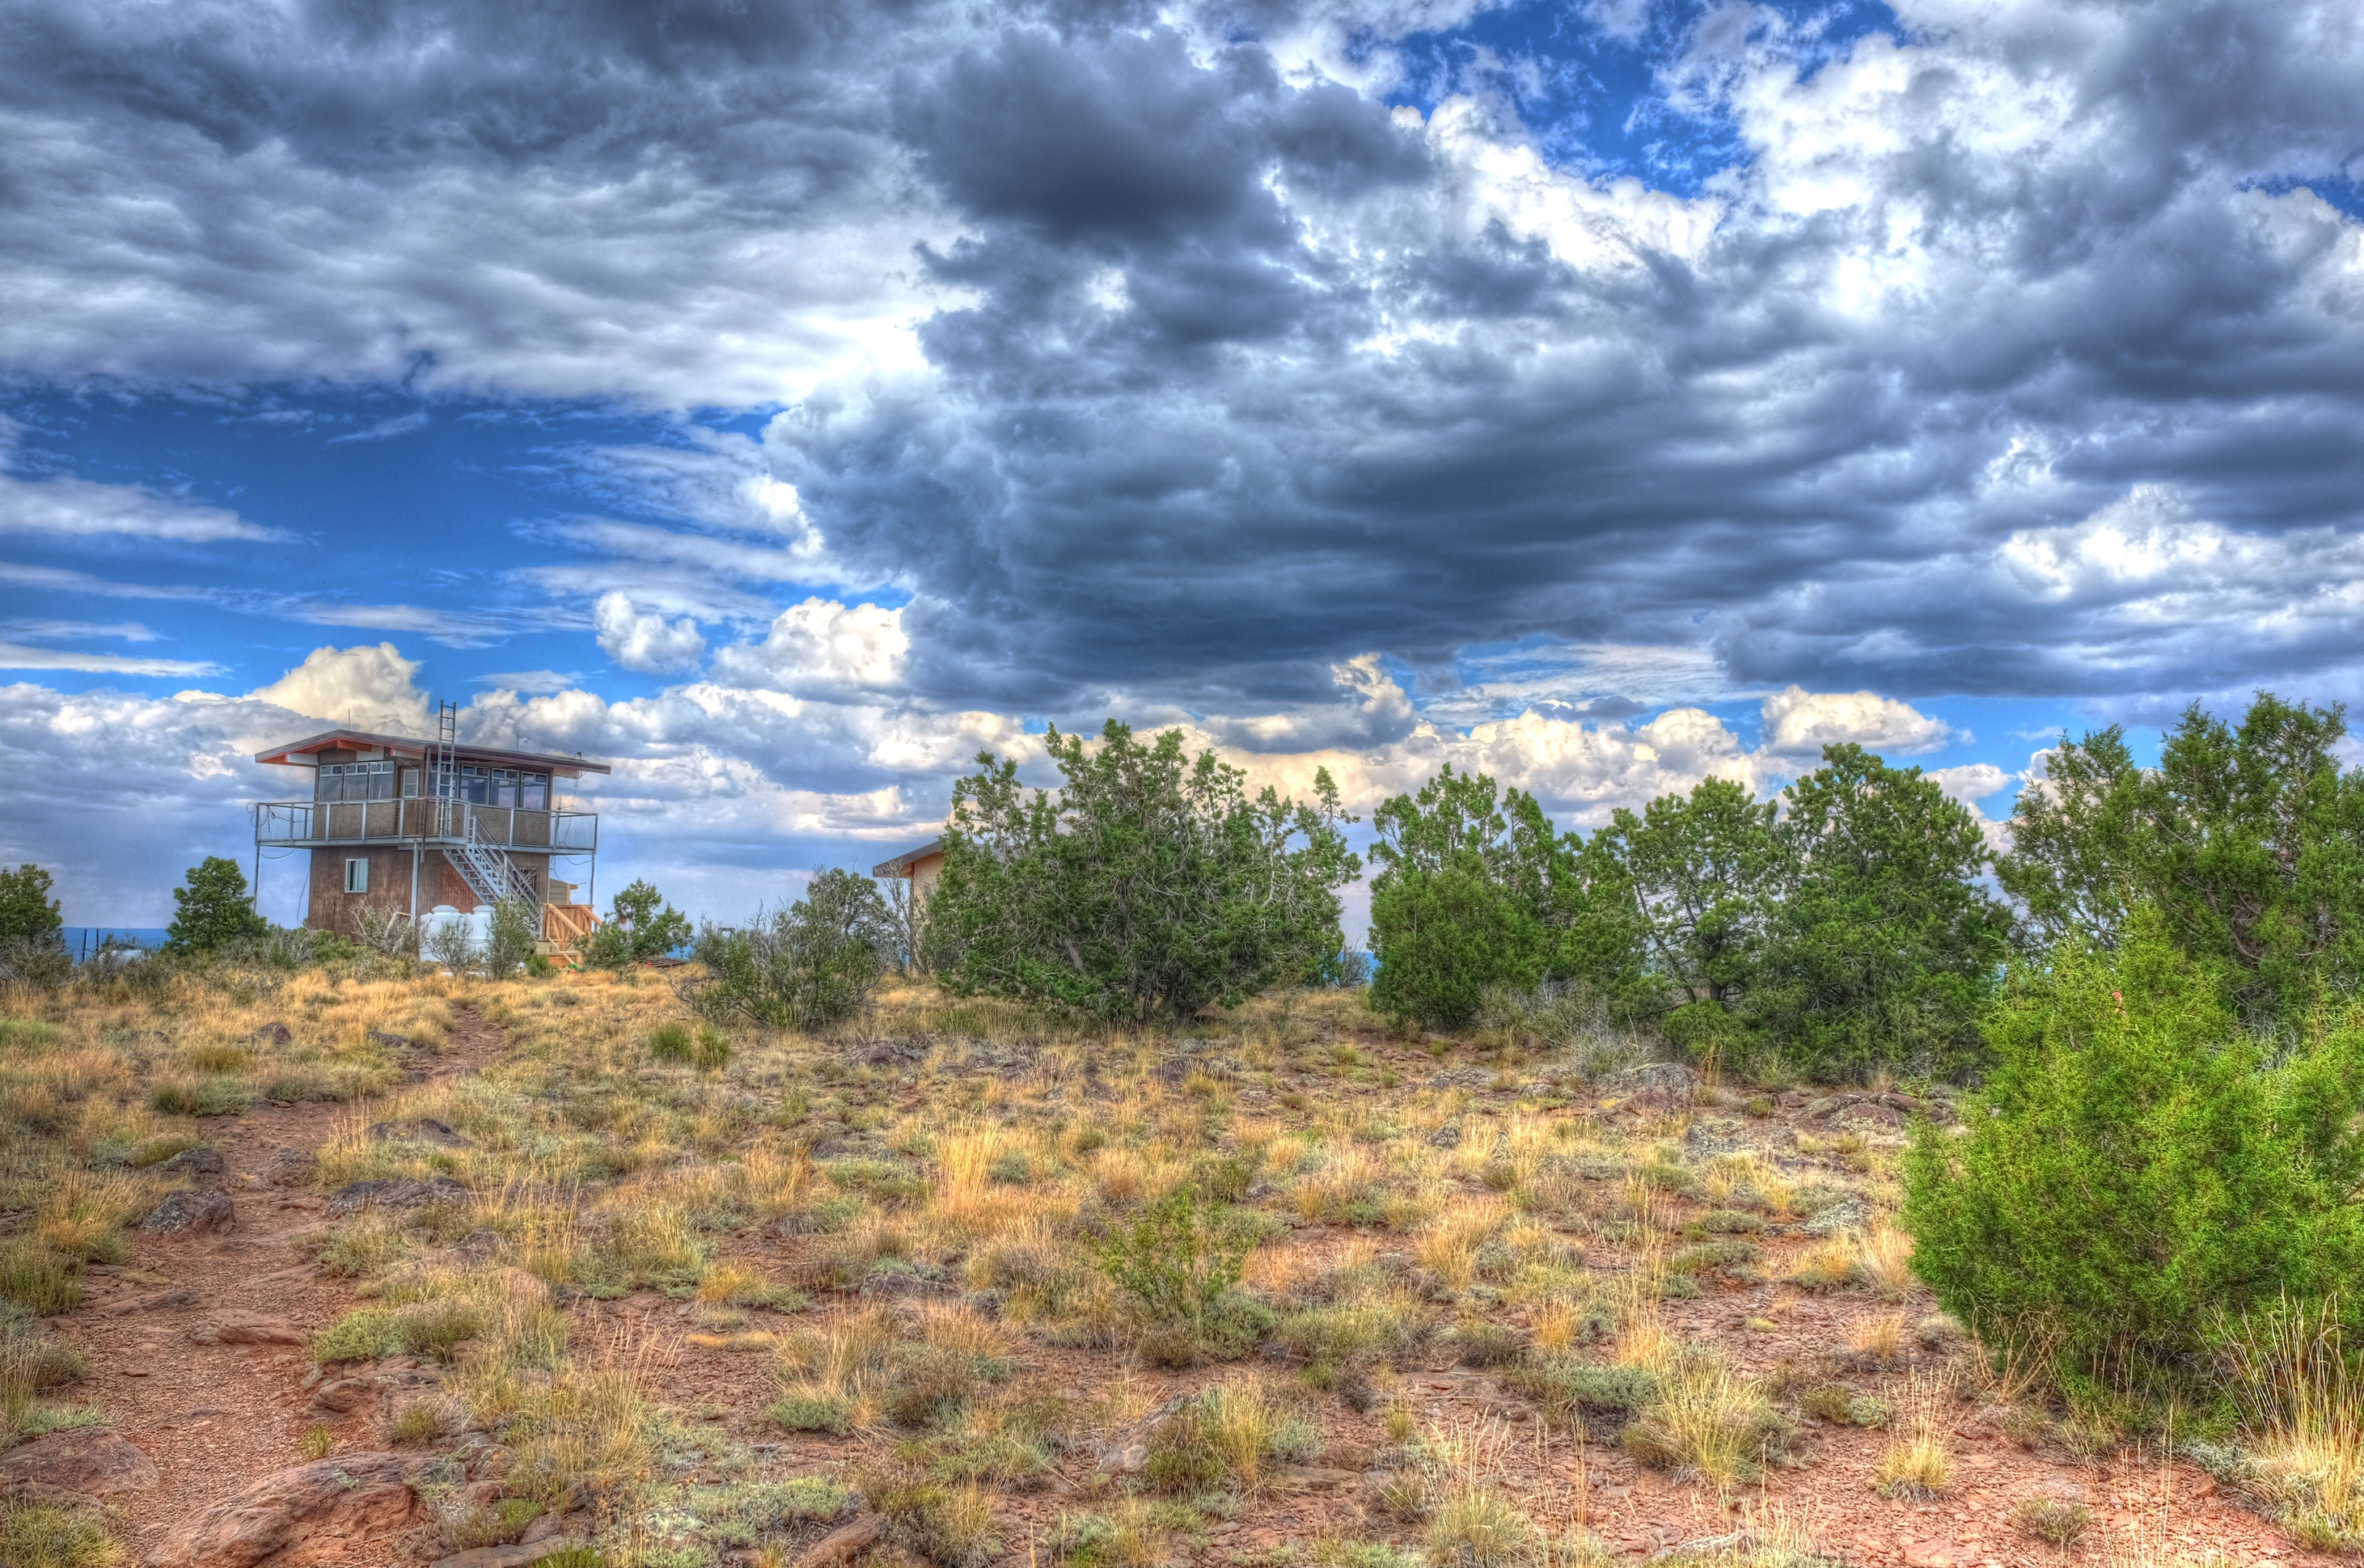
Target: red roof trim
{"x": 411, "y": 746}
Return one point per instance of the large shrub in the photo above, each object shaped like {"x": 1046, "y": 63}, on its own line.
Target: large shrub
{"x": 2247, "y": 842}
{"x": 1150, "y": 884}
{"x": 2136, "y": 1163}
{"x": 806, "y": 966}
{"x": 1884, "y": 948}
{"x": 1474, "y": 898}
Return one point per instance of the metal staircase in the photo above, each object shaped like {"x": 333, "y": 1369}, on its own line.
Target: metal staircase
{"x": 485, "y": 868}
{"x": 491, "y": 875}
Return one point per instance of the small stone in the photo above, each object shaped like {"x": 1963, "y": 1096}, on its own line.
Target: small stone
{"x": 191, "y": 1211}
{"x": 155, "y": 1301}
{"x": 235, "y": 1328}
{"x": 288, "y": 1167}
{"x": 1446, "y": 1137}
{"x": 92, "y": 1462}
{"x": 273, "y": 1033}
{"x": 1937, "y": 1554}
{"x": 194, "y": 1162}
{"x": 342, "y": 1395}
{"x": 841, "y": 1542}
{"x": 420, "y": 1129}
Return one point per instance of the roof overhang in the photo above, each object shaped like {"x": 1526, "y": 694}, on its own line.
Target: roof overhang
{"x": 901, "y": 865}
{"x": 305, "y": 753}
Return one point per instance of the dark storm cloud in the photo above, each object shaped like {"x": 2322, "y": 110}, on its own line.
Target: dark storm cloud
{"x": 1996, "y": 368}
{"x": 1658, "y": 442}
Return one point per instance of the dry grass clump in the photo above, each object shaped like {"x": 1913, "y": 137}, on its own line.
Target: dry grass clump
{"x": 1472, "y": 1522}
{"x": 1916, "y": 1463}
{"x": 2303, "y": 1420}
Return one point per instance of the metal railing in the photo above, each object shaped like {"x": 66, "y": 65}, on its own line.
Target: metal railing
{"x": 296, "y": 823}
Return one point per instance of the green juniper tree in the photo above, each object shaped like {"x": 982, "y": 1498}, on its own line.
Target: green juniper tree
{"x": 2248, "y": 842}
{"x": 1150, "y": 885}
{"x": 639, "y": 925}
{"x": 1882, "y": 948}
{"x": 28, "y": 913}
{"x": 1705, "y": 871}
{"x": 213, "y": 909}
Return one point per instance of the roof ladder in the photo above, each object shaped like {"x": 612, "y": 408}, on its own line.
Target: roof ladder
{"x": 443, "y": 772}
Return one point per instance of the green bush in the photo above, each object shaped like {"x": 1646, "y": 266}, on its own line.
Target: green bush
{"x": 807, "y": 966}
{"x": 670, "y": 1042}
{"x": 1179, "y": 1259}
{"x": 1147, "y": 885}
{"x": 2137, "y": 1164}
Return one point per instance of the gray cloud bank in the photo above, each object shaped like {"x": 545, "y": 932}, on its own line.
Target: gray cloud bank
{"x": 1162, "y": 363}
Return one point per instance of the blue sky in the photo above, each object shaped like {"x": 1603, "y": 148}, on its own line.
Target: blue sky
{"x": 784, "y": 404}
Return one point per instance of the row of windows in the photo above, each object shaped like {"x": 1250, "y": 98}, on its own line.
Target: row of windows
{"x": 477, "y": 787}
{"x": 357, "y": 876}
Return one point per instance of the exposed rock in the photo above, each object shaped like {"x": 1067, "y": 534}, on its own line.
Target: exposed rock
{"x": 896, "y": 1278}
{"x": 90, "y": 1462}
{"x": 897, "y": 1052}
{"x": 1655, "y": 1083}
{"x": 1446, "y": 1137}
{"x": 1125, "y": 1451}
{"x": 421, "y": 1130}
{"x": 342, "y": 1395}
{"x": 191, "y": 1211}
{"x": 1849, "y": 1213}
{"x": 1937, "y": 1554}
{"x": 357, "y": 1494}
{"x": 402, "y": 1192}
{"x": 194, "y": 1162}
{"x": 288, "y": 1168}
{"x": 273, "y": 1033}
{"x": 235, "y": 1328}
{"x": 391, "y": 1041}
{"x": 154, "y": 1301}
{"x": 514, "y": 1555}
{"x": 1461, "y": 1078}
{"x": 842, "y": 1542}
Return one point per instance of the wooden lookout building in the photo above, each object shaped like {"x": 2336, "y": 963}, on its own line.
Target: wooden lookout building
{"x": 397, "y": 823}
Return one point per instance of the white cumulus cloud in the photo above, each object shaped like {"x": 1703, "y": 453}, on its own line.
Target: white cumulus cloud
{"x": 645, "y": 640}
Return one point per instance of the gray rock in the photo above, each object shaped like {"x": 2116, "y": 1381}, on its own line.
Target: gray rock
{"x": 1446, "y": 1137}
{"x": 273, "y": 1033}
{"x": 288, "y": 1168}
{"x": 418, "y": 1130}
{"x": 1660, "y": 1082}
{"x": 401, "y": 1193}
{"x": 194, "y": 1162}
{"x": 193, "y": 1211}
{"x": 1847, "y": 1214}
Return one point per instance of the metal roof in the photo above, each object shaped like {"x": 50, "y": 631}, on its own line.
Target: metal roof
{"x": 411, "y": 746}
{"x": 901, "y": 865}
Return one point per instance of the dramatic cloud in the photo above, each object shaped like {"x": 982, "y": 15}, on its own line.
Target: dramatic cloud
{"x": 823, "y": 646}
{"x": 1359, "y": 383}
{"x": 366, "y": 688}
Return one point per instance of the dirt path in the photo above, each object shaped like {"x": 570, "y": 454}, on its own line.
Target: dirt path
{"x": 215, "y": 1418}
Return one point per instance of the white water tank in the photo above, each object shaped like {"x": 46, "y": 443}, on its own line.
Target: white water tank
{"x": 435, "y": 919}
{"x": 480, "y": 929}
